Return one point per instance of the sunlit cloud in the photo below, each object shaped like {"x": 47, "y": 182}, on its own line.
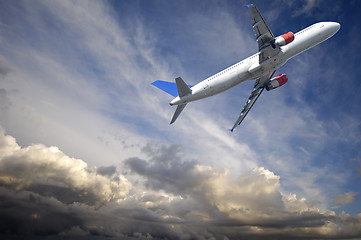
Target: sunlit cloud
{"x": 173, "y": 197}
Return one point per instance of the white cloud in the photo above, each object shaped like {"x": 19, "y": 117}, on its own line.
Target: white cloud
{"x": 94, "y": 90}
{"x": 93, "y": 87}
{"x": 54, "y": 90}
{"x": 38, "y": 167}
{"x": 174, "y": 198}
{"x": 252, "y": 198}
{"x": 346, "y": 198}
{"x": 307, "y": 8}
{"x": 81, "y": 82}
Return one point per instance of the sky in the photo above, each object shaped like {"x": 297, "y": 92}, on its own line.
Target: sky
{"x": 87, "y": 152}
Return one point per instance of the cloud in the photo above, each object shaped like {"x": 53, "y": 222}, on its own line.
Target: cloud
{"x": 346, "y": 198}
{"x": 306, "y": 8}
{"x": 253, "y": 198}
{"x": 80, "y": 81}
{"x": 27, "y": 213}
{"x": 5, "y": 102}
{"x": 4, "y": 69}
{"x": 358, "y": 162}
{"x": 107, "y": 171}
{"x": 46, "y": 193}
{"x": 87, "y": 74}
{"x": 49, "y": 172}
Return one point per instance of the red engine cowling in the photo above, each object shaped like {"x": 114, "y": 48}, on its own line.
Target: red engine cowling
{"x": 283, "y": 40}
{"x": 276, "y": 82}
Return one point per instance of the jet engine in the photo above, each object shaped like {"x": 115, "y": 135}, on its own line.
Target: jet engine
{"x": 276, "y": 82}
{"x": 283, "y": 40}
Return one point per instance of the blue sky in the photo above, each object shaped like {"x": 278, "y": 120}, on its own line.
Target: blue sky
{"x": 87, "y": 136}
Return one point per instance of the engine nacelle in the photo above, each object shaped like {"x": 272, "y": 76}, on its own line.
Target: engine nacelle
{"x": 283, "y": 40}
{"x": 276, "y": 82}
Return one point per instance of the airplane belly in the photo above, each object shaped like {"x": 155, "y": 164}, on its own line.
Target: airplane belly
{"x": 208, "y": 88}
{"x": 266, "y": 67}
{"x": 229, "y": 82}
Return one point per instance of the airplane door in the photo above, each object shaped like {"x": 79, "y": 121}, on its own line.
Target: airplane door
{"x": 204, "y": 85}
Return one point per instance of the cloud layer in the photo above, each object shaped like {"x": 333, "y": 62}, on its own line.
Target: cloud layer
{"x": 48, "y": 171}
{"x": 45, "y": 192}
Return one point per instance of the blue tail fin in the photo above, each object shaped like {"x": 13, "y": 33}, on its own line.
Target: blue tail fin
{"x": 168, "y": 87}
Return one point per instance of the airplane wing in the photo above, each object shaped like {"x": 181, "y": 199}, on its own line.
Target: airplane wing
{"x": 264, "y": 38}
{"x": 256, "y": 92}
{"x": 263, "y": 34}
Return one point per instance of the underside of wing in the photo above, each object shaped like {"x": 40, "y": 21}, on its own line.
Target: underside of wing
{"x": 256, "y": 92}
{"x": 249, "y": 104}
{"x": 263, "y": 34}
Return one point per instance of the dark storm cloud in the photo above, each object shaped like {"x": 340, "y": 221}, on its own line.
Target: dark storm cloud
{"x": 27, "y": 213}
{"x": 175, "y": 177}
{"x": 49, "y": 172}
{"x": 107, "y": 171}
{"x": 43, "y": 192}
{"x": 226, "y": 201}
{"x": 167, "y": 170}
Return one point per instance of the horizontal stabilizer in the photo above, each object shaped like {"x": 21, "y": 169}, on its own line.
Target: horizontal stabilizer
{"x": 168, "y": 87}
{"x": 177, "y": 112}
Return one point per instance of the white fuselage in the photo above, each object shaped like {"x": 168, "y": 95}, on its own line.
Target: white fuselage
{"x": 250, "y": 68}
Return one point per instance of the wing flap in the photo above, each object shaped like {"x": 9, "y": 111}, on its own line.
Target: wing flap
{"x": 256, "y": 92}
{"x": 263, "y": 35}
{"x": 247, "y": 107}
{"x": 260, "y": 27}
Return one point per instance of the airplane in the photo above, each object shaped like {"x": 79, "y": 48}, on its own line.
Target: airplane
{"x": 273, "y": 52}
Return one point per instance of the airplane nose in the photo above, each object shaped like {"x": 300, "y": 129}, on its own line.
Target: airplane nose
{"x": 334, "y": 26}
